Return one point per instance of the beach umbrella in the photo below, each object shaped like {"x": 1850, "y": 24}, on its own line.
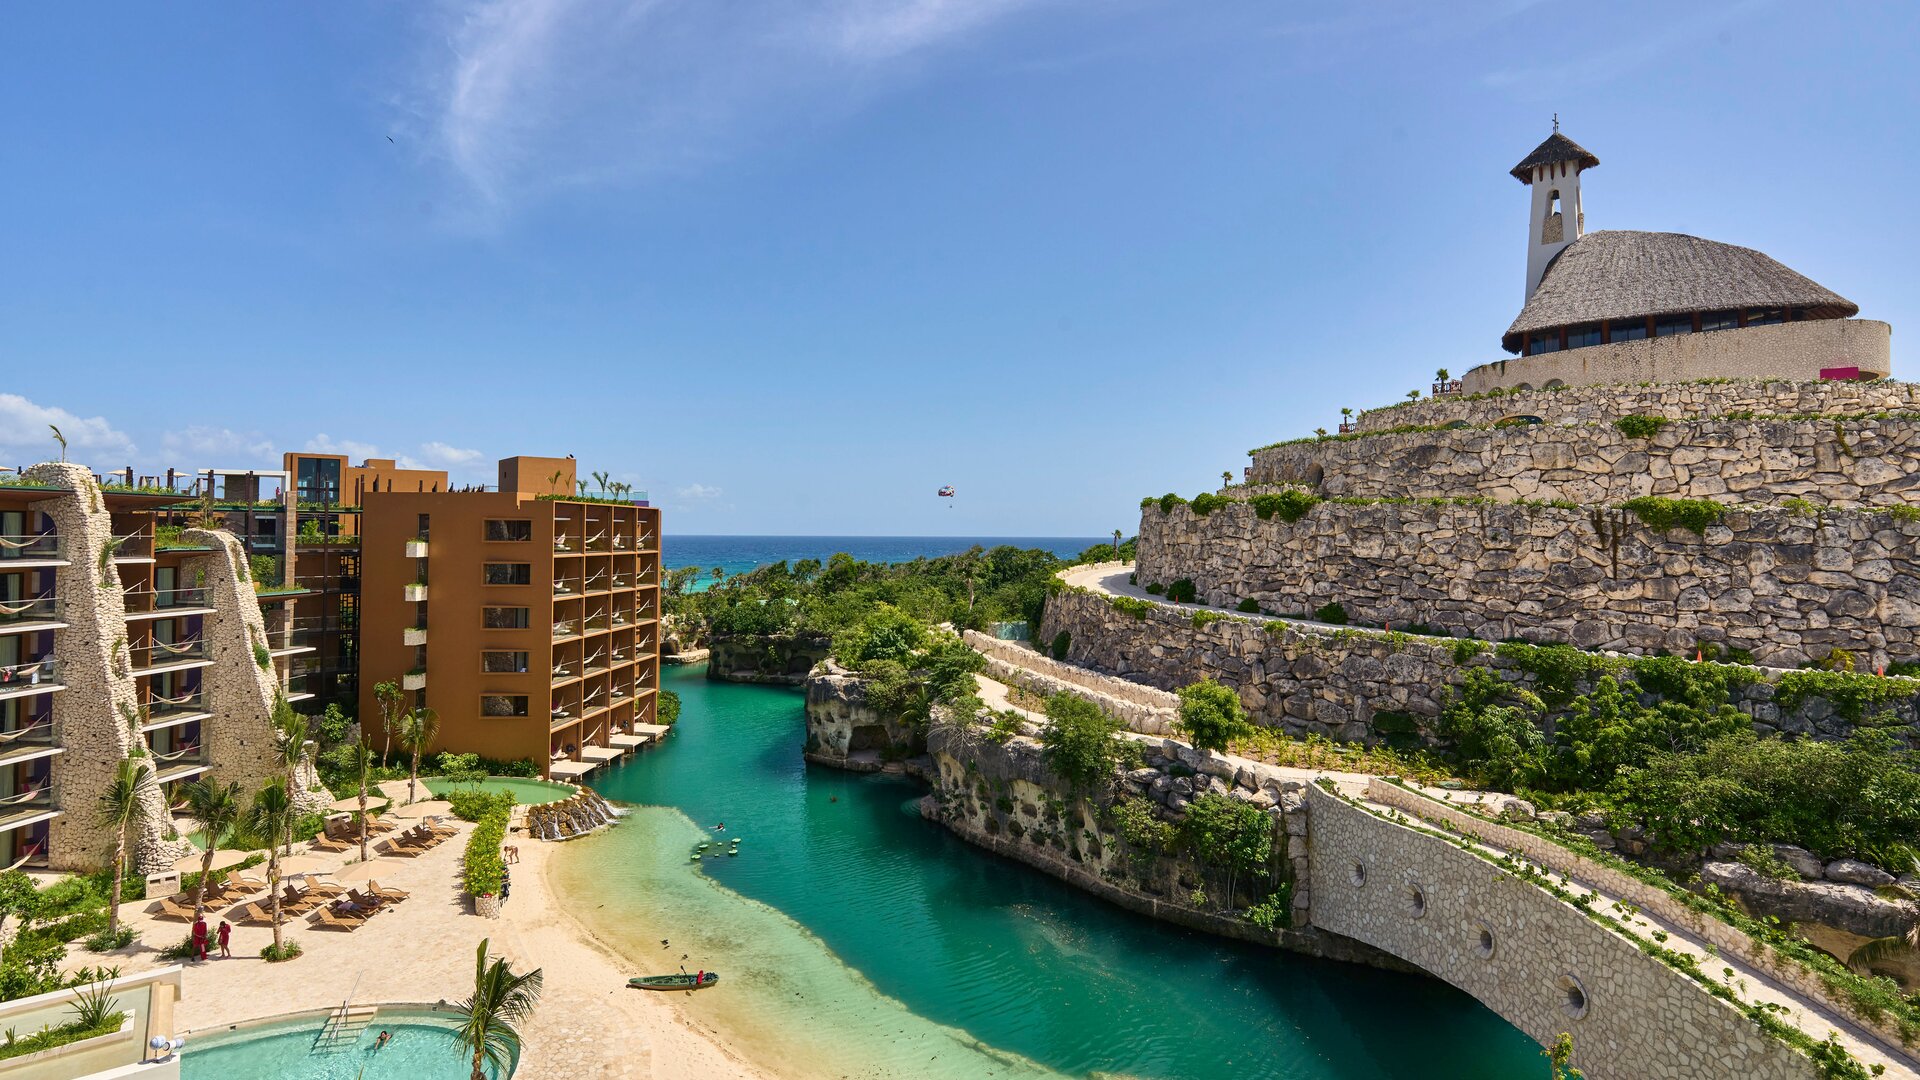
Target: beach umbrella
{"x": 222, "y": 859}
{"x": 351, "y": 804}
{"x": 294, "y": 865}
{"x": 429, "y": 808}
{"x": 372, "y": 868}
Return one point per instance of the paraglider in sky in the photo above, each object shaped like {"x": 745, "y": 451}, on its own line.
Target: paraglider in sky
{"x": 947, "y": 492}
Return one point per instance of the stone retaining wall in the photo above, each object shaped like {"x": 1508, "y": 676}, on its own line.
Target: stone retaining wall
{"x": 1348, "y": 685}
{"x": 1144, "y": 709}
{"x": 1420, "y": 898}
{"x": 1605, "y": 404}
{"x": 846, "y": 732}
{"x": 1787, "y": 588}
{"x": 1874, "y": 462}
{"x": 771, "y": 659}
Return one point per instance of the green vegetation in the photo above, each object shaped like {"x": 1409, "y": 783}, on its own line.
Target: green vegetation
{"x": 481, "y": 868}
{"x": 1206, "y": 502}
{"x": 1080, "y": 742}
{"x": 1181, "y": 591}
{"x": 1062, "y": 641}
{"x": 1640, "y": 427}
{"x": 1228, "y": 838}
{"x": 1211, "y": 716}
{"x": 1290, "y": 505}
{"x": 1249, "y": 606}
{"x": 476, "y": 804}
{"x": 1660, "y": 513}
{"x": 1331, "y": 612}
{"x": 502, "y": 1001}
{"x": 666, "y": 709}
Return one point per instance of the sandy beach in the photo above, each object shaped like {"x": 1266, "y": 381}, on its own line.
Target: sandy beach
{"x": 588, "y": 1025}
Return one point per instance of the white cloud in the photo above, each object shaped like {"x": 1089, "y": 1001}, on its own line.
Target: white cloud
{"x": 200, "y": 446}
{"x": 327, "y": 444}
{"x": 439, "y": 455}
{"x": 24, "y": 429}
{"x": 522, "y": 97}
{"x": 698, "y": 492}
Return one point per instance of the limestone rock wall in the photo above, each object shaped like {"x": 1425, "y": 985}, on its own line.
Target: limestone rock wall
{"x": 1143, "y": 709}
{"x": 844, "y": 731}
{"x": 1788, "y": 588}
{"x": 240, "y": 736}
{"x": 775, "y": 659}
{"x": 1851, "y": 462}
{"x": 96, "y": 719}
{"x": 1798, "y": 351}
{"x": 1676, "y": 401}
{"x": 1642, "y": 1021}
{"x": 1348, "y": 685}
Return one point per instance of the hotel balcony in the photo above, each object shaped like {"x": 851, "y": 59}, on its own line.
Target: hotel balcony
{"x": 290, "y": 642}
{"x": 566, "y": 630}
{"x": 182, "y": 764}
{"x": 413, "y": 635}
{"x": 27, "y": 808}
{"x": 566, "y": 587}
{"x": 416, "y": 549}
{"x": 171, "y": 656}
{"x": 170, "y": 712}
{"x": 134, "y": 547}
{"x": 28, "y": 743}
{"x": 414, "y": 680}
{"x": 31, "y": 552}
{"x": 27, "y": 616}
{"x": 416, "y": 592}
{"x": 30, "y": 680}
{"x": 166, "y": 603}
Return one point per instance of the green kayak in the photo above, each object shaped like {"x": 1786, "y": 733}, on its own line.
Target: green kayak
{"x": 674, "y": 982}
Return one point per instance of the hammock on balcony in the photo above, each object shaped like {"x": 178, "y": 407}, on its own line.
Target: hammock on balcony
{"x": 596, "y": 536}
{"x": 24, "y": 605}
{"x": 22, "y": 673}
{"x": 28, "y": 857}
{"x": 177, "y": 754}
{"x": 17, "y": 545}
{"x": 175, "y": 648}
{"x": 153, "y": 698}
{"x": 13, "y": 736}
{"x": 15, "y": 800}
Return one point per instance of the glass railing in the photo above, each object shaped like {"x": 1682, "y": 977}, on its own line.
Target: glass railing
{"x": 39, "y": 546}
{"x": 38, "y": 673}
{"x": 42, "y": 609}
{"x": 145, "y": 600}
{"x": 159, "y": 707}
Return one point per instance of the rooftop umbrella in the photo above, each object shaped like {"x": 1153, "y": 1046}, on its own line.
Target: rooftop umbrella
{"x": 222, "y": 859}
{"x": 372, "y": 868}
{"x": 429, "y": 808}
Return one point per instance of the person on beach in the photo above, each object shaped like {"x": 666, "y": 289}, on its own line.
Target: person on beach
{"x": 200, "y": 939}
{"x": 226, "y": 932}
{"x": 506, "y": 884}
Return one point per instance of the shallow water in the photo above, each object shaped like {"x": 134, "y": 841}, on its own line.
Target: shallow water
{"x": 856, "y": 939}
{"x": 423, "y": 1048}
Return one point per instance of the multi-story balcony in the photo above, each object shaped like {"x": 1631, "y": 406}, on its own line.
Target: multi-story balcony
{"x": 171, "y": 656}
{"x": 27, "y": 552}
{"x": 27, "y": 807}
{"x": 567, "y": 587}
{"x": 166, "y": 603}
{"x": 28, "y": 742}
{"x": 179, "y": 764}
{"x": 25, "y": 616}
{"x": 30, "y": 679}
{"x": 167, "y": 711}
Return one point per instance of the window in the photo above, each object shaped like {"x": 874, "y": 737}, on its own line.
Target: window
{"x": 317, "y": 480}
{"x": 1626, "y": 330}
{"x": 426, "y": 521}
{"x": 501, "y": 661}
{"x": 1543, "y": 342}
{"x": 1766, "y": 316}
{"x": 1718, "y": 320}
{"x": 1579, "y": 337}
{"x": 499, "y": 530}
{"x": 509, "y": 573}
{"x": 1669, "y": 325}
{"x": 503, "y": 705}
{"x": 504, "y": 618}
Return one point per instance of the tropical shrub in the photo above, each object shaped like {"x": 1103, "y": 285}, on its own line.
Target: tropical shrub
{"x": 1079, "y": 742}
{"x": 482, "y": 869}
{"x": 1640, "y": 427}
{"x": 1290, "y": 505}
{"x": 1181, "y": 591}
{"x": 1061, "y": 642}
{"x": 1249, "y": 605}
{"x": 1331, "y": 612}
{"x": 475, "y": 804}
{"x": 666, "y": 709}
{"x": 1211, "y": 716}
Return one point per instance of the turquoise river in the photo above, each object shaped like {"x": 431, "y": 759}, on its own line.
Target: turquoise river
{"x": 857, "y": 940}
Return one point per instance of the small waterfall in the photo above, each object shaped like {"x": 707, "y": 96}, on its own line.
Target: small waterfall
{"x": 571, "y": 817}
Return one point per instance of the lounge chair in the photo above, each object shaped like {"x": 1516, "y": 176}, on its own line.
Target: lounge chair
{"x": 386, "y": 895}
{"x": 323, "y": 842}
{"x": 397, "y": 846}
{"x": 257, "y": 913}
{"x": 441, "y": 827}
{"x": 298, "y": 902}
{"x": 325, "y": 917}
{"x": 246, "y": 883}
{"x": 326, "y": 889}
{"x": 370, "y": 902}
{"x": 176, "y": 907}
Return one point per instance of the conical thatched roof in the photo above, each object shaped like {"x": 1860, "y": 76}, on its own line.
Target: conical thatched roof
{"x": 1556, "y": 149}
{"x": 1624, "y": 274}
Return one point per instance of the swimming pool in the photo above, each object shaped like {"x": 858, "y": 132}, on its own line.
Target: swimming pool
{"x": 422, "y": 1048}
{"x": 525, "y": 791}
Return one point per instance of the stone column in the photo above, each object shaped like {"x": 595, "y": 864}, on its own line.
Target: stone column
{"x": 96, "y": 719}
{"x": 243, "y": 684}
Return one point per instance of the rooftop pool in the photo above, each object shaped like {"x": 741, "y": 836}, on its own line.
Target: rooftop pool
{"x": 525, "y": 791}
{"x": 422, "y": 1048}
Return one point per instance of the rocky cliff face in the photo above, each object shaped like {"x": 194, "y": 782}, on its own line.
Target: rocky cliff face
{"x": 843, "y": 730}
{"x": 774, "y": 659}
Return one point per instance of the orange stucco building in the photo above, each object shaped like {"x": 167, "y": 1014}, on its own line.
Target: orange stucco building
{"x": 526, "y": 617}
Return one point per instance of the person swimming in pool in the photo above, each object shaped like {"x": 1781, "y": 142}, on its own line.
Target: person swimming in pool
{"x": 385, "y": 1038}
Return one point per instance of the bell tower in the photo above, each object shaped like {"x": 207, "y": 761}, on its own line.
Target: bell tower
{"x": 1553, "y": 172}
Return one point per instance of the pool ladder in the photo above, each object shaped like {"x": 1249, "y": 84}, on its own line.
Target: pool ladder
{"x": 344, "y": 1027}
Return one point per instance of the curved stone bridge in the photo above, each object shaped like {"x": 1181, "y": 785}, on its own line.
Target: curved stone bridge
{"x": 1415, "y": 875}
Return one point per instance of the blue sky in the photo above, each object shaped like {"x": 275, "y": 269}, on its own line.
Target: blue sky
{"x": 792, "y": 266}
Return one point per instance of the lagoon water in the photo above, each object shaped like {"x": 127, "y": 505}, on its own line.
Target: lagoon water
{"x": 855, "y": 939}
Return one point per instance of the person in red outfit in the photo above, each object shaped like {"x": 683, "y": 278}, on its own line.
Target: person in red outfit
{"x": 200, "y": 939}
{"x": 226, "y": 931}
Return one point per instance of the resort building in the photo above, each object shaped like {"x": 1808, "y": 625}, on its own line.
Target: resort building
{"x": 526, "y": 617}
{"x": 1623, "y": 306}
{"x": 121, "y": 636}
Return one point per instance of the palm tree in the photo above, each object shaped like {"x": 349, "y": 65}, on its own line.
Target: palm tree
{"x": 1226, "y": 477}
{"x": 1116, "y": 545}
{"x": 360, "y": 760}
{"x": 132, "y": 782}
{"x": 1904, "y": 945}
{"x": 1441, "y": 376}
{"x": 717, "y": 573}
{"x": 61, "y": 439}
{"x": 271, "y": 816}
{"x": 218, "y": 810}
{"x": 417, "y": 731}
{"x": 392, "y": 703}
{"x": 501, "y": 1002}
{"x": 290, "y": 749}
